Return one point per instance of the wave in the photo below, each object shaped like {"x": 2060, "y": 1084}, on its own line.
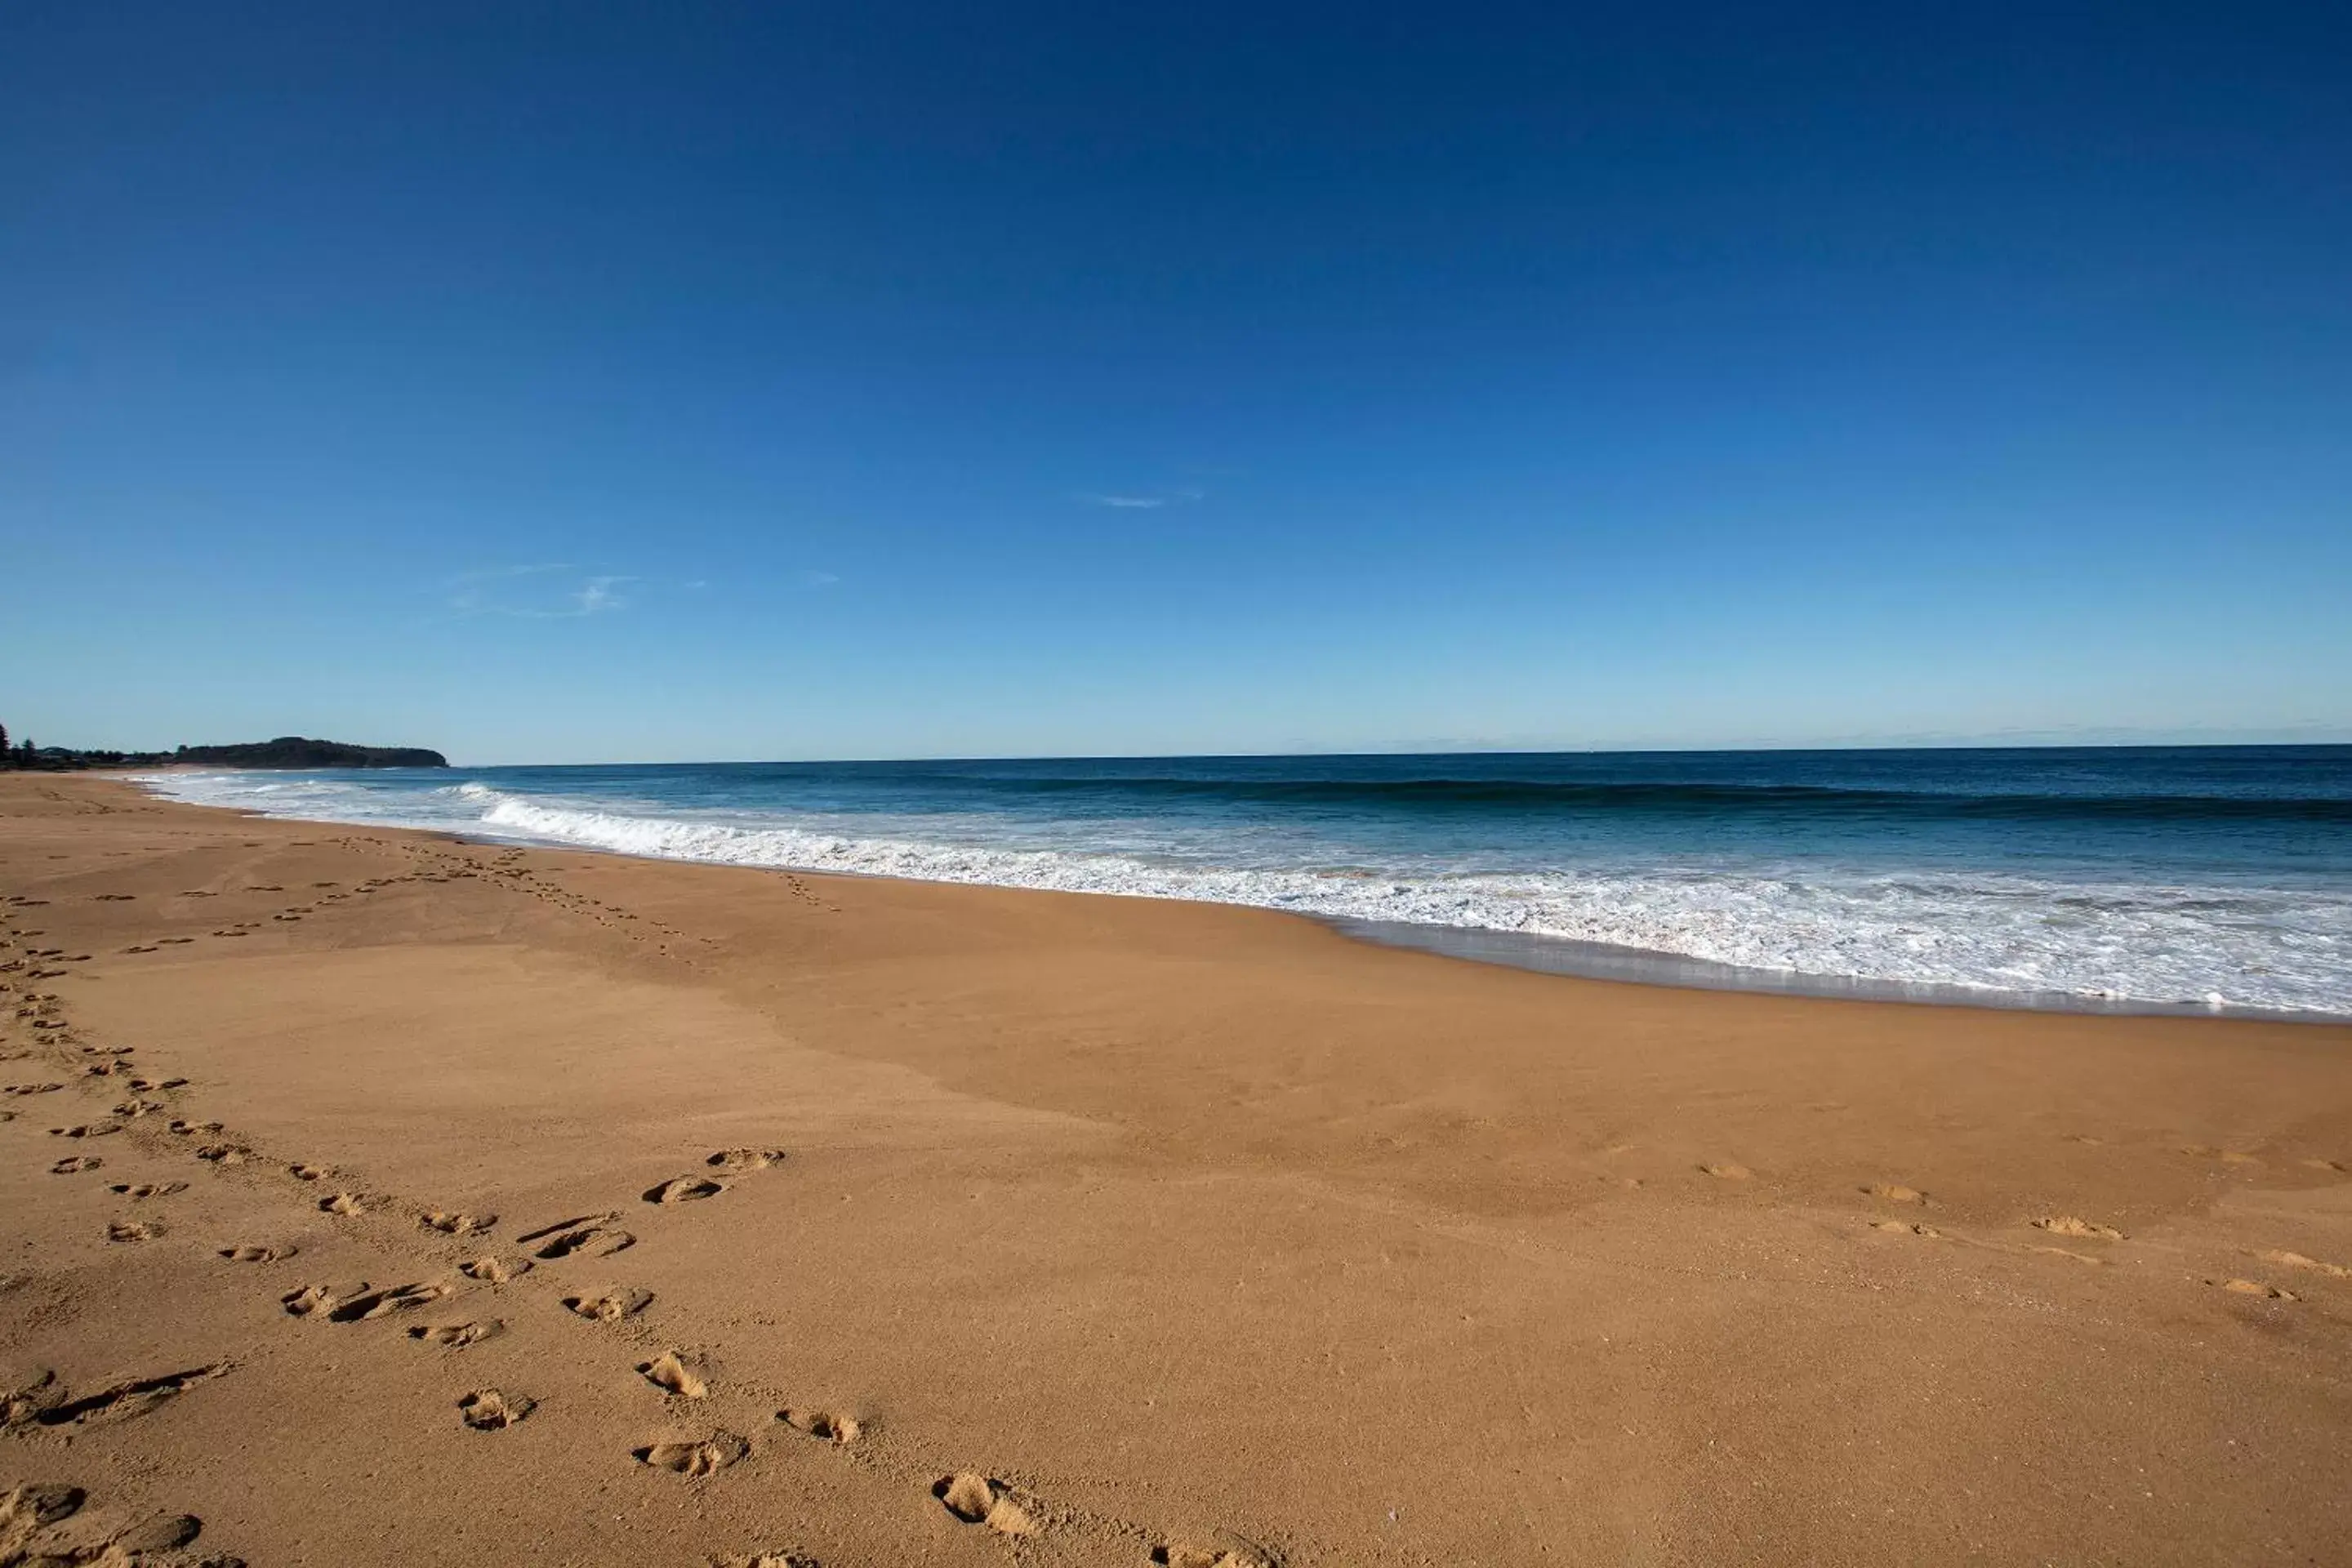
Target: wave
{"x": 1710, "y": 799}
{"x": 2124, "y": 940}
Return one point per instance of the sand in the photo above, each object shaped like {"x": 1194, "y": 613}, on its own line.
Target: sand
{"x": 405, "y": 1201}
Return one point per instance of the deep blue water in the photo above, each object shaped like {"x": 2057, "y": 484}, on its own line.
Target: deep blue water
{"x": 2152, "y": 874}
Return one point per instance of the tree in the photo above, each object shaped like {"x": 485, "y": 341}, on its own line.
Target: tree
{"x": 3, "y": 745}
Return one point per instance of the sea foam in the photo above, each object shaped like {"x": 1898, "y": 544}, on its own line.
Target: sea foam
{"x": 2156, "y": 942}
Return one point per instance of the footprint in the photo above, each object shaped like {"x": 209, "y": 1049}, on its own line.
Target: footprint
{"x": 190, "y": 1129}
{"x": 593, "y": 1234}
{"x": 343, "y": 1203}
{"x": 1728, "y": 1172}
{"x": 458, "y": 1224}
{"x": 2297, "y": 1260}
{"x": 487, "y": 1410}
{"x": 2316, "y": 1163}
{"x": 30, "y": 1088}
{"x": 1895, "y": 1192}
{"x": 225, "y": 1153}
{"x": 740, "y": 1160}
{"x": 612, "y": 1306}
{"x": 306, "y": 1173}
{"x": 385, "y": 1303}
{"x": 165, "y": 1532}
{"x": 133, "y": 1230}
{"x": 123, "y": 1400}
{"x": 148, "y": 1189}
{"x": 787, "y": 1557}
{"x": 2227, "y": 1156}
{"x": 976, "y": 1499}
{"x": 669, "y": 1374}
{"x": 492, "y": 1271}
{"x": 74, "y": 1165}
{"x": 1904, "y": 1228}
{"x": 830, "y": 1425}
{"x": 256, "y": 1252}
{"x": 25, "y": 1510}
{"x": 706, "y": 1457}
{"x": 139, "y": 1542}
{"x": 2067, "y": 1225}
{"x": 314, "y": 1301}
{"x": 23, "y": 1405}
{"x": 455, "y": 1336}
{"x": 684, "y": 1190}
{"x": 1174, "y": 1555}
{"x": 87, "y": 1130}
{"x": 2253, "y": 1287}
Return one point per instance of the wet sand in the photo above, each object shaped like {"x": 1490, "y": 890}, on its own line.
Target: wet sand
{"x": 400, "y": 1200}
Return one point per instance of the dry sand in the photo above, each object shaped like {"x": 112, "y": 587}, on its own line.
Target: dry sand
{"x": 1062, "y": 1229}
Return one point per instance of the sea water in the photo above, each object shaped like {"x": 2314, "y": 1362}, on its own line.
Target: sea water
{"x": 2214, "y": 877}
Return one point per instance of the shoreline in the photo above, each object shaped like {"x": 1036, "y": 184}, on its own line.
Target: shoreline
{"x": 1152, "y": 1218}
{"x": 1638, "y": 966}
{"x": 1537, "y": 952}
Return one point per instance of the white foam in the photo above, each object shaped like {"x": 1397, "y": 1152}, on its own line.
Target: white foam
{"x": 2269, "y": 948}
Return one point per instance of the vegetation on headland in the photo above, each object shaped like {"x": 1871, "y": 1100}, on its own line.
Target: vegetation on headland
{"x": 294, "y": 751}
{"x": 286, "y": 752}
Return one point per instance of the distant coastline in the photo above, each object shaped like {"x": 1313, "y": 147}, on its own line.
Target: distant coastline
{"x": 295, "y": 751}
{"x": 287, "y": 751}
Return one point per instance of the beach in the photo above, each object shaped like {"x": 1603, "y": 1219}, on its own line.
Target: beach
{"x": 400, "y": 1198}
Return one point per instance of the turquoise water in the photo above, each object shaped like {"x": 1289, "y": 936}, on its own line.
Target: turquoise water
{"x": 2211, "y": 876}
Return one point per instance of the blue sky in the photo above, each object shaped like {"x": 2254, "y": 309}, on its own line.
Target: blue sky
{"x": 561, "y": 382}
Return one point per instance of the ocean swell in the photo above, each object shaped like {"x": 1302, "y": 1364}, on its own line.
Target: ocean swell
{"x": 2145, "y": 940}
{"x": 2120, "y": 941}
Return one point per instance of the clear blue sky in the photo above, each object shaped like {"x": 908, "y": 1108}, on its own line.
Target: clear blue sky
{"x": 573, "y": 383}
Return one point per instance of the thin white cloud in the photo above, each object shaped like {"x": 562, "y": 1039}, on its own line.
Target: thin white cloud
{"x": 818, "y": 579}
{"x": 1149, "y": 501}
{"x": 536, "y": 593}
{"x": 597, "y": 597}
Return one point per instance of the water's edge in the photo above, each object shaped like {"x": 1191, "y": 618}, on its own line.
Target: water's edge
{"x": 1527, "y": 951}
{"x": 1637, "y": 966}
{"x": 2111, "y": 939}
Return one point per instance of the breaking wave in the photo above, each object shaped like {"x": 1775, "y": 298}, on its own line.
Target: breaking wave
{"x": 2164, "y": 940}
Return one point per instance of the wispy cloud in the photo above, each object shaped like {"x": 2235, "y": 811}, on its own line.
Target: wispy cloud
{"x": 1147, "y": 501}
{"x": 818, "y": 579}
{"x": 596, "y": 596}
{"x": 551, "y": 591}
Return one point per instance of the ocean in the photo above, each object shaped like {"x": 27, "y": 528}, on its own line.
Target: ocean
{"x": 2206, "y": 878}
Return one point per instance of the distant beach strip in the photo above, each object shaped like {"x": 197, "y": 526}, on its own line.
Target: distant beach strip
{"x": 2208, "y": 880}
